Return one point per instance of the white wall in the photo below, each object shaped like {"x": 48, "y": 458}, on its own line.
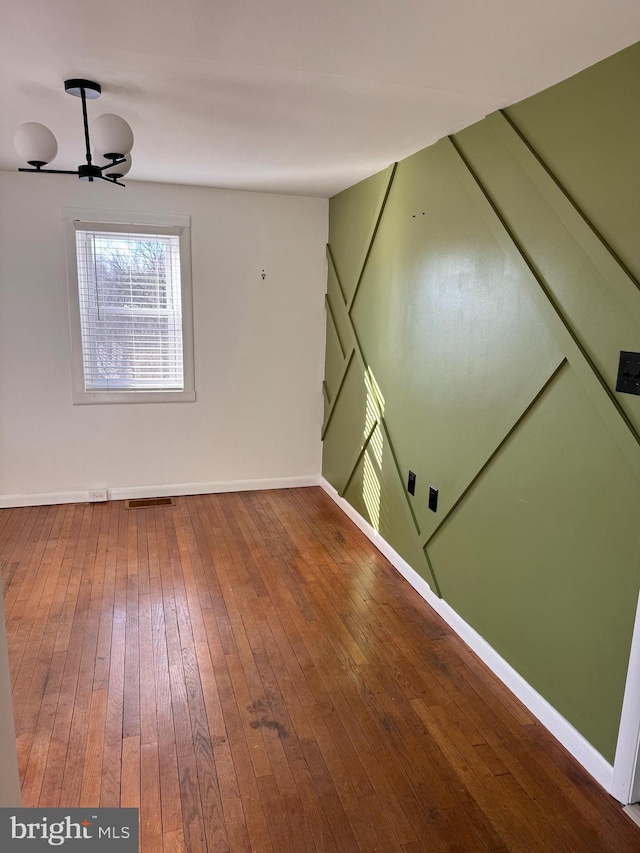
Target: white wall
{"x": 258, "y": 348}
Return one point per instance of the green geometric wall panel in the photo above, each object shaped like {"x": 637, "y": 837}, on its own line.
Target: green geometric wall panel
{"x": 352, "y": 220}
{"x": 601, "y": 322}
{"x": 480, "y": 305}
{"x": 347, "y": 429}
{"x": 594, "y": 117}
{"x": 337, "y": 308}
{"x": 542, "y": 558}
{"x": 334, "y": 360}
{"x": 465, "y": 347}
{"x": 377, "y": 494}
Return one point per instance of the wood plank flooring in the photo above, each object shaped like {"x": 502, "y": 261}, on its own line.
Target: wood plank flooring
{"x": 253, "y": 675}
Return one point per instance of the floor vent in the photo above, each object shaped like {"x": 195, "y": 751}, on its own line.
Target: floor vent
{"x": 144, "y": 503}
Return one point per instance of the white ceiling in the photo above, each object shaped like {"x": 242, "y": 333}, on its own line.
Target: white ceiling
{"x": 288, "y": 96}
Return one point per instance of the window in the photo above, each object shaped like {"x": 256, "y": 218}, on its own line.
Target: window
{"x": 130, "y": 307}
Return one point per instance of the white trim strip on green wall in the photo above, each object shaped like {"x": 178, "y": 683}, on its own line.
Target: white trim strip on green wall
{"x": 592, "y": 761}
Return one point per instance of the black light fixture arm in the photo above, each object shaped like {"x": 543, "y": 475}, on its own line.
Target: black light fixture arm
{"x": 113, "y": 163}
{"x": 50, "y": 171}
{"x": 78, "y": 172}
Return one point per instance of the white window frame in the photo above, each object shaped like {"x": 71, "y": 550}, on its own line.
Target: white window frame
{"x": 86, "y": 219}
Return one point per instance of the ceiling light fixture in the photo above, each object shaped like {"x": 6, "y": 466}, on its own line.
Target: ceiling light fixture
{"x": 113, "y": 140}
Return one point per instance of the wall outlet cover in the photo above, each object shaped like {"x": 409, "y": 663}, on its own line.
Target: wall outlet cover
{"x": 629, "y": 373}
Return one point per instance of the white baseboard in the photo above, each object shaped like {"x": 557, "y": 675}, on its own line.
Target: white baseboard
{"x": 42, "y": 499}
{"x": 592, "y": 761}
{"x": 633, "y": 811}
{"x": 175, "y": 489}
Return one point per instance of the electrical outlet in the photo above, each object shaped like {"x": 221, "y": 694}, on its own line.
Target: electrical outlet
{"x": 97, "y": 496}
{"x": 629, "y": 373}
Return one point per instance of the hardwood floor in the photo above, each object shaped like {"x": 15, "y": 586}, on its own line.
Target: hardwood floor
{"x": 253, "y": 675}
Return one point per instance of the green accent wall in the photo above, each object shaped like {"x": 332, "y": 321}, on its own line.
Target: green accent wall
{"x": 479, "y": 293}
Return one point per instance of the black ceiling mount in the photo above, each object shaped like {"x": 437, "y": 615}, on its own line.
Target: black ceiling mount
{"x": 91, "y": 90}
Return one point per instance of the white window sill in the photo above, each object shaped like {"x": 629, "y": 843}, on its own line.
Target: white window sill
{"x": 88, "y": 398}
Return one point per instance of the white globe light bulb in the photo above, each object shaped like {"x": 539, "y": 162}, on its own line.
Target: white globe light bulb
{"x": 35, "y": 143}
{"x": 111, "y": 136}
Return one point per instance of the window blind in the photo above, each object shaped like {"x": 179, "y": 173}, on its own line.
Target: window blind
{"x": 130, "y": 310}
